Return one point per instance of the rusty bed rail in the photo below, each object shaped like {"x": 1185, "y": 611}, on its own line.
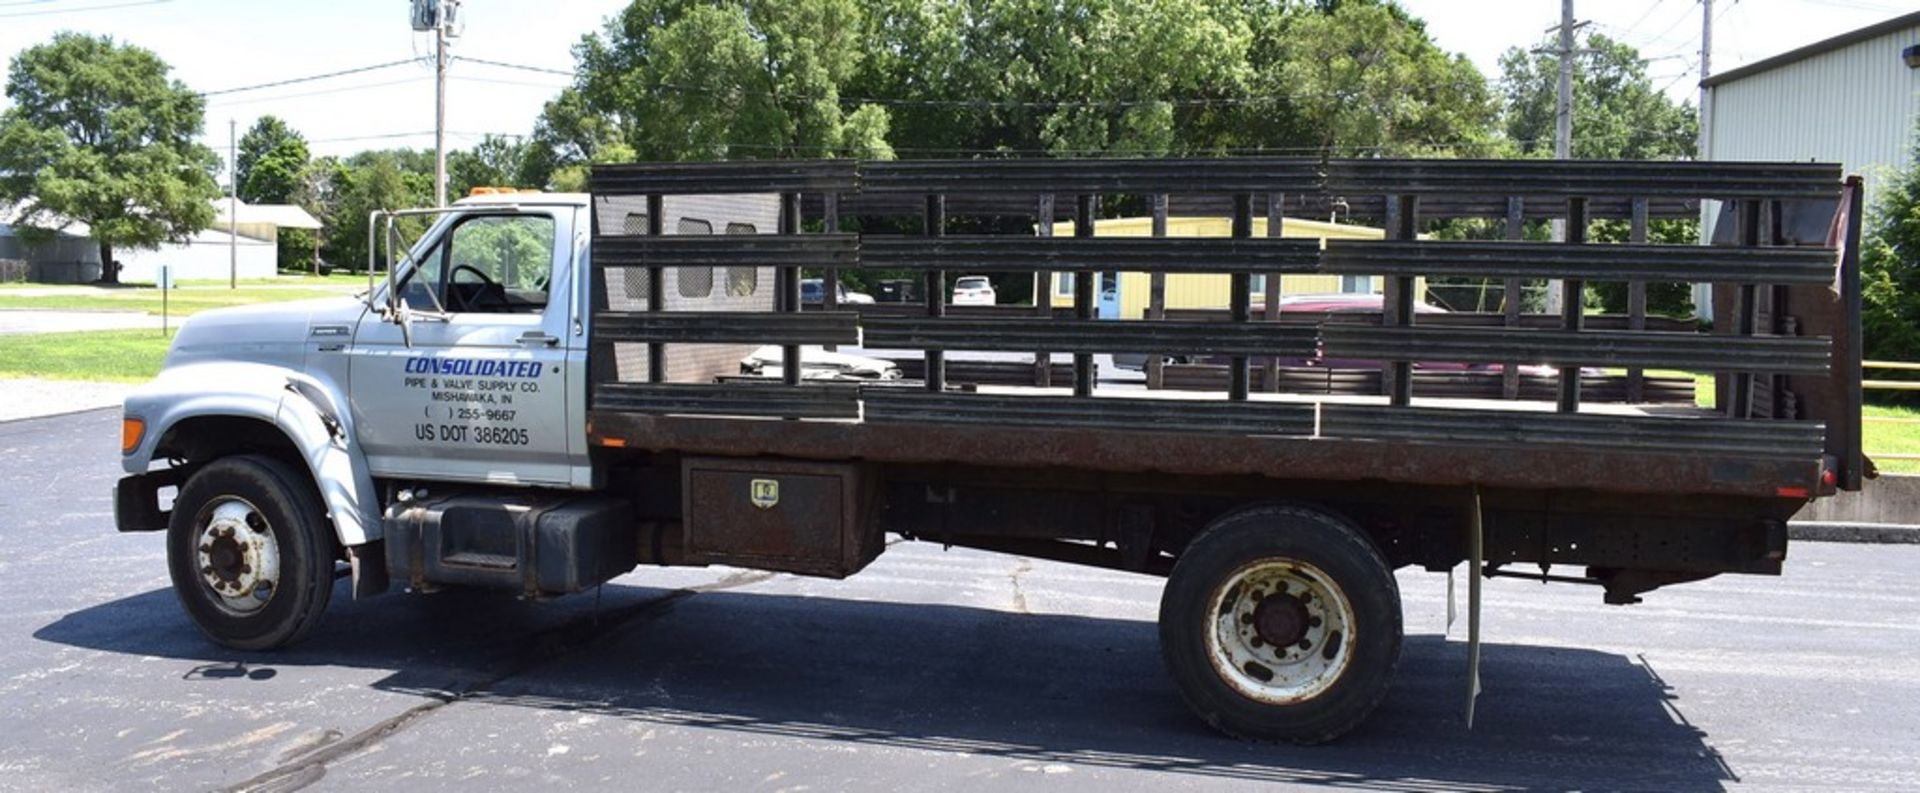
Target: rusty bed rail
{"x": 1778, "y": 341}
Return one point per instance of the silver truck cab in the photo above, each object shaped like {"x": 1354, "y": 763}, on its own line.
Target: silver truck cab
{"x": 292, "y": 435}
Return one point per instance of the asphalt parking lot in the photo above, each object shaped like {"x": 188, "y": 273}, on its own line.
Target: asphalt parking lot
{"x": 932, "y": 670}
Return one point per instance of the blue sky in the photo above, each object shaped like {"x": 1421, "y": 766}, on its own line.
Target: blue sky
{"x": 218, "y": 44}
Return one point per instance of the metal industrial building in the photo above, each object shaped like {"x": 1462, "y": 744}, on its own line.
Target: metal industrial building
{"x": 72, "y": 256}
{"x": 1851, "y": 99}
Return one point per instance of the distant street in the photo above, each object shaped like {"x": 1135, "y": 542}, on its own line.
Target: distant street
{"x": 930, "y": 671}
{"x": 35, "y": 321}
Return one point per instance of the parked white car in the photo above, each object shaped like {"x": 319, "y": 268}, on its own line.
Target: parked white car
{"x": 816, "y": 363}
{"x": 973, "y": 290}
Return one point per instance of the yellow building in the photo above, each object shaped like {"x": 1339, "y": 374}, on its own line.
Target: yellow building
{"x": 1211, "y": 291}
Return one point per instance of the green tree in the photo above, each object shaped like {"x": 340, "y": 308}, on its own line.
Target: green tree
{"x": 99, "y": 134}
{"x": 269, "y": 162}
{"x": 687, "y": 80}
{"x": 1367, "y": 79}
{"x": 1617, "y": 114}
{"x": 1890, "y": 266}
{"x": 1071, "y": 78}
{"x": 368, "y": 182}
{"x": 1617, "y": 111}
{"x": 679, "y": 79}
{"x": 494, "y": 162}
{"x": 568, "y": 134}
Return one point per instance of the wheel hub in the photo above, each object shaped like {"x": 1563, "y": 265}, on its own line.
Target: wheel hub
{"x": 1282, "y": 631}
{"x": 239, "y": 559}
{"x": 1280, "y": 620}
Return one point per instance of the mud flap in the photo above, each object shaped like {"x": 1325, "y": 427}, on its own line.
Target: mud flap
{"x": 368, "y": 564}
{"x": 1475, "y": 561}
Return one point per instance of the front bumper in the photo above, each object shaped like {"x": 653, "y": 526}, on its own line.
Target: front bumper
{"x": 136, "y": 501}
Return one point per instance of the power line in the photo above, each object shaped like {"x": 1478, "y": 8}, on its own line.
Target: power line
{"x": 309, "y": 78}
{"x": 521, "y": 66}
{"x": 78, "y": 10}
{"x": 1643, "y": 17}
{"x": 1685, "y": 14}
{"x": 422, "y": 133}
{"x": 318, "y": 92}
{"x": 498, "y": 81}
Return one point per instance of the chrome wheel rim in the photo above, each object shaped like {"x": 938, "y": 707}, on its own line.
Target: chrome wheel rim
{"x": 1282, "y": 631}
{"x": 236, "y": 555}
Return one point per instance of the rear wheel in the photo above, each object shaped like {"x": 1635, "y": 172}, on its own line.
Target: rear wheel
{"x": 251, "y": 552}
{"x": 1281, "y": 623}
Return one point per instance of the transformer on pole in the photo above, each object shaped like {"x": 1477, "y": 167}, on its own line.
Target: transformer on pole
{"x": 438, "y": 16}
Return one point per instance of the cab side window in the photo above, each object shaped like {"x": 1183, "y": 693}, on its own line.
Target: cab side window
{"x": 498, "y": 264}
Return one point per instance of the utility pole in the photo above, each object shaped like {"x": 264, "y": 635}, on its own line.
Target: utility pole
{"x": 1563, "y": 112}
{"x": 438, "y": 16}
{"x": 440, "y": 26}
{"x": 233, "y": 207}
{"x": 1563, "y": 120}
{"x": 1702, "y": 292}
{"x": 1706, "y": 68}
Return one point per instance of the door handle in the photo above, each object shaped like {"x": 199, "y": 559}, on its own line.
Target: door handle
{"x": 536, "y": 338}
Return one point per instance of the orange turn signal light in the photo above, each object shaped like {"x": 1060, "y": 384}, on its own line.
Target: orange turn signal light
{"x": 131, "y": 431}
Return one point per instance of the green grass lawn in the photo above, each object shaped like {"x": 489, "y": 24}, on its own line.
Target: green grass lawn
{"x": 180, "y": 302}
{"x": 291, "y": 280}
{"x": 285, "y": 279}
{"x": 126, "y": 356}
{"x": 1891, "y": 437}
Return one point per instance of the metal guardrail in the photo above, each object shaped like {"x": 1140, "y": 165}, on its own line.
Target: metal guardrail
{"x": 1890, "y": 385}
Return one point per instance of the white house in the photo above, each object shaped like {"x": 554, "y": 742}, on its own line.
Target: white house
{"x": 72, "y": 256}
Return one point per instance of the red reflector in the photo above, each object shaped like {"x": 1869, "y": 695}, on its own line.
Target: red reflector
{"x": 1791, "y": 492}
{"x": 1829, "y": 478}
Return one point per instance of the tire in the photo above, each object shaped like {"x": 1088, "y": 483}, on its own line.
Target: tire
{"x": 238, "y": 524}
{"x": 1223, "y": 619}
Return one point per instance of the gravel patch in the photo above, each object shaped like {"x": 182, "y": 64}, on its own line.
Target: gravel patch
{"x": 31, "y": 397}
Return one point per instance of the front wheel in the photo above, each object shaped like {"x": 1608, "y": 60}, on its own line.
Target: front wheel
{"x": 251, "y": 552}
{"x": 1281, "y": 623}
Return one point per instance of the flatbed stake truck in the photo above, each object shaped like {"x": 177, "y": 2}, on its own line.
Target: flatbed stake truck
{"x": 544, "y": 393}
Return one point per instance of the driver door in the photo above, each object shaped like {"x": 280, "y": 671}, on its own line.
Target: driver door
{"x": 480, "y": 393}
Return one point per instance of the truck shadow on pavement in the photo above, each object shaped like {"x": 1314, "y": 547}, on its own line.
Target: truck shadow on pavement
{"x": 1044, "y": 689}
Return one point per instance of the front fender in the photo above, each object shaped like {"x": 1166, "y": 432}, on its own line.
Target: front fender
{"x": 306, "y": 410}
